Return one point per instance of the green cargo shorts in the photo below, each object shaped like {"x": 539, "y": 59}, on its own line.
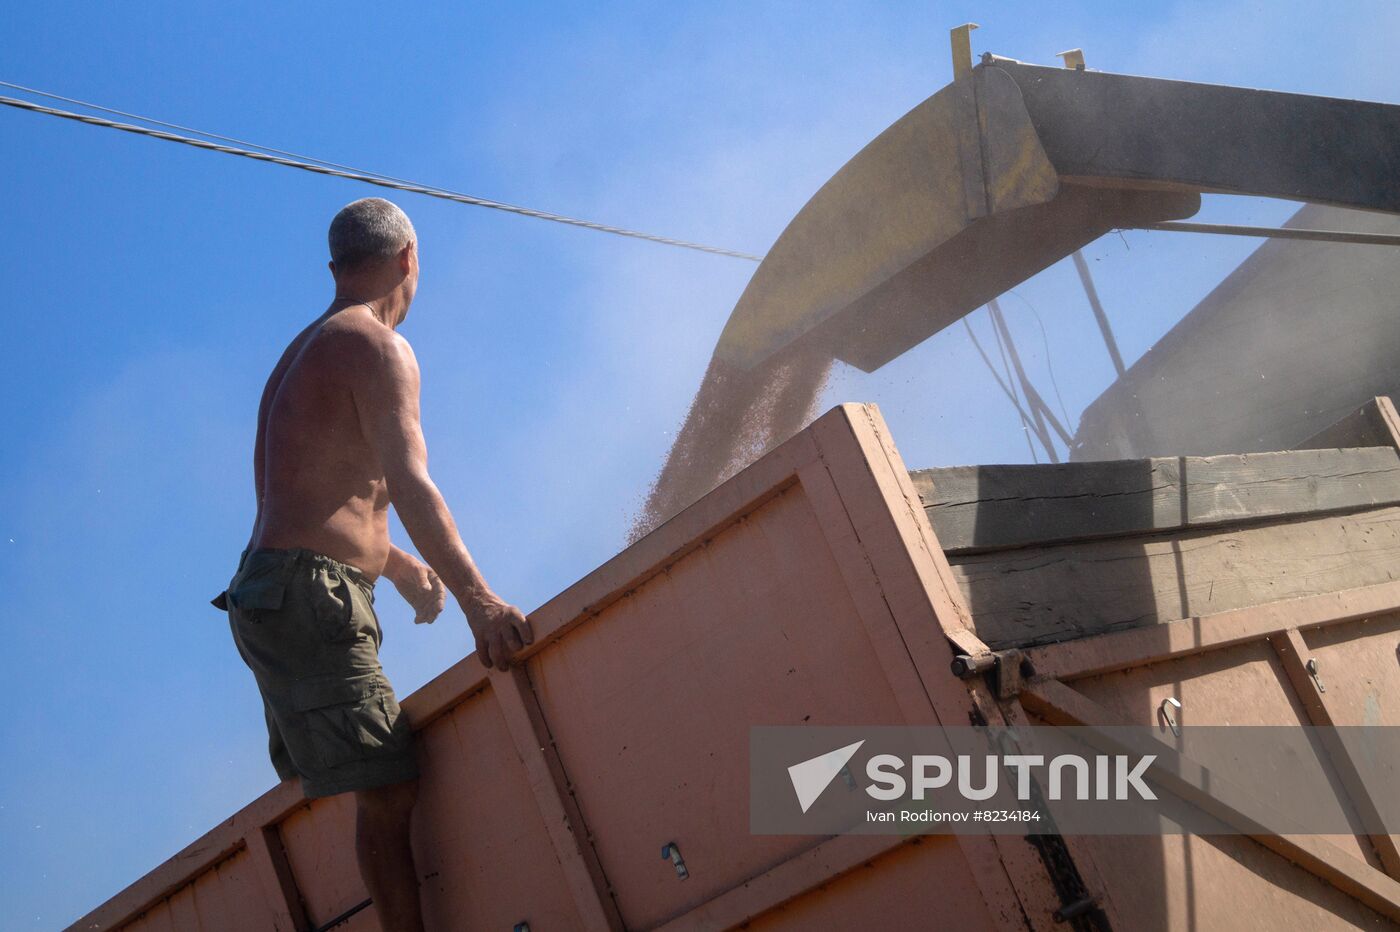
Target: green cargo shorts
{"x": 306, "y": 627}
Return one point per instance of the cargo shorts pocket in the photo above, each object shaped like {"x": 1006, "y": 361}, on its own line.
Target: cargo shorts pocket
{"x": 352, "y": 720}
{"x": 255, "y": 594}
{"x": 335, "y": 607}
{"x": 265, "y": 592}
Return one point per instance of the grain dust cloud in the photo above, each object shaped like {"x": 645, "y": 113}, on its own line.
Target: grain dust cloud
{"x": 737, "y": 415}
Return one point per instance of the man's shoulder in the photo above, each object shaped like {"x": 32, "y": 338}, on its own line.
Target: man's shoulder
{"x": 363, "y": 346}
{"x": 365, "y": 339}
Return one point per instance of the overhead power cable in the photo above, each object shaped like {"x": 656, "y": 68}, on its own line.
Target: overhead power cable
{"x": 1230, "y": 229}
{"x": 321, "y": 167}
{"x": 1040, "y": 412}
{"x": 198, "y": 132}
{"x": 1049, "y": 357}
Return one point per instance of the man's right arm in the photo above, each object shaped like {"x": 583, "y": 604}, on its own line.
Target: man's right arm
{"x": 386, "y": 399}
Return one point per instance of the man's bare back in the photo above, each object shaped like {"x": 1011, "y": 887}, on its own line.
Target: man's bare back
{"x": 323, "y": 486}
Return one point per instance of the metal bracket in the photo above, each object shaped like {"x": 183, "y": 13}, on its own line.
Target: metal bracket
{"x": 672, "y": 852}
{"x": 1073, "y": 59}
{"x": 961, "y": 39}
{"x": 1076, "y": 909}
{"x": 1012, "y": 670}
{"x": 1165, "y": 712}
{"x": 1009, "y": 668}
{"x": 1311, "y": 667}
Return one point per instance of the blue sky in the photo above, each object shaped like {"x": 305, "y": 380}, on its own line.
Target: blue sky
{"x": 153, "y": 286}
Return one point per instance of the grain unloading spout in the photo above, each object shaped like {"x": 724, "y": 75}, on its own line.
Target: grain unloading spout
{"x": 999, "y": 175}
{"x": 1012, "y": 168}
{"x": 947, "y": 208}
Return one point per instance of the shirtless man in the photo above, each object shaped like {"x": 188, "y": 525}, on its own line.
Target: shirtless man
{"x": 339, "y": 441}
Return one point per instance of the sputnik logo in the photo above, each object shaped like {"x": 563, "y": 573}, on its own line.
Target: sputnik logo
{"x": 811, "y": 777}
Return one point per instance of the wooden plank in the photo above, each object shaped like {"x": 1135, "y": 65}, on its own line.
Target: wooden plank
{"x": 1293, "y": 652}
{"x": 1132, "y": 647}
{"x": 1028, "y": 597}
{"x": 1236, "y": 806}
{"x": 981, "y": 508}
{"x": 1371, "y": 425}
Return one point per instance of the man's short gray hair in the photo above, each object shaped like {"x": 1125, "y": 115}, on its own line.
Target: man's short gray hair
{"x": 368, "y": 229}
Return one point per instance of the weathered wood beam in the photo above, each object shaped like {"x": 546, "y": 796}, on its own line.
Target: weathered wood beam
{"x": 1028, "y": 597}
{"x": 983, "y": 508}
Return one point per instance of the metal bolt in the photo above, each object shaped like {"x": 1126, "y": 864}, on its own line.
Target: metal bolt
{"x": 672, "y": 852}
{"x": 1311, "y": 667}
